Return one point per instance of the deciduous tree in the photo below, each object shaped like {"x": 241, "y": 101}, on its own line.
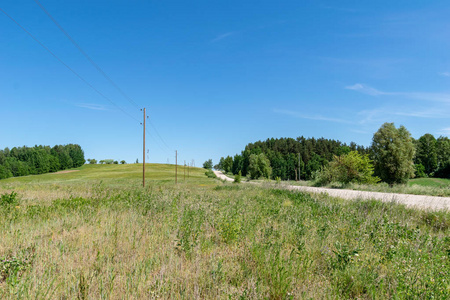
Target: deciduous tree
{"x": 393, "y": 151}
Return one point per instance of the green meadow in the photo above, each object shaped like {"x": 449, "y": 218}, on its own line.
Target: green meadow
{"x": 96, "y": 233}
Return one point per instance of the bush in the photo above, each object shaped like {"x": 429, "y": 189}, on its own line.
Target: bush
{"x": 352, "y": 167}
{"x": 210, "y": 174}
{"x": 237, "y": 177}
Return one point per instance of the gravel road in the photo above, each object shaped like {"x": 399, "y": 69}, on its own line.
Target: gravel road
{"x": 418, "y": 201}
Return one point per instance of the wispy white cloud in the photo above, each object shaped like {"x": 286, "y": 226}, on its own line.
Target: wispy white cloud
{"x": 445, "y": 131}
{"x": 446, "y": 74}
{"x": 359, "y": 131}
{"x": 222, "y": 36}
{"x": 310, "y": 117}
{"x": 365, "y": 89}
{"x": 91, "y": 106}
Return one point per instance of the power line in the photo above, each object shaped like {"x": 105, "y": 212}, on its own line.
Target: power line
{"x": 162, "y": 140}
{"x": 67, "y": 66}
{"x": 96, "y": 66}
{"x": 86, "y": 55}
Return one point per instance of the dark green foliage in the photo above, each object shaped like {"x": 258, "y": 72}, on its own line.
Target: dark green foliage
{"x": 352, "y": 167}
{"x": 22, "y": 161}
{"x": 443, "y": 157}
{"x": 237, "y": 177}
{"x": 259, "y": 166}
{"x": 420, "y": 171}
{"x": 5, "y": 172}
{"x": 283, "y": 155}
{"x": 227, "y": 164}
{"x": 123, "y": 162}
{"x": 393, "y": 151}
{"x": 92, "y": 161}
{"x": 210, "y": 174}
{"x": 208, "y": 164}
{"x": 426, "y": 153}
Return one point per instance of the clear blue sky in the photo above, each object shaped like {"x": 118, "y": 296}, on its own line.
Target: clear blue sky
{"x": 216, "y": 75}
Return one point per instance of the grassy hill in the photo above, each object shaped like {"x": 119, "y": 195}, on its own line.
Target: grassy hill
{"x": 97, "y": 234}
{"x": 115, "y": 174}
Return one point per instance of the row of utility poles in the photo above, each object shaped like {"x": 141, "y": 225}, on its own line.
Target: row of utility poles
{"x": 176, "y": 158}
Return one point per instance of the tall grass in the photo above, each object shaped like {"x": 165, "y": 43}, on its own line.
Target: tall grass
{"x": 219, "y": 241}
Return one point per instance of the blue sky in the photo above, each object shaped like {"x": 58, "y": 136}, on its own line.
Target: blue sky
{"x": 216, "y": 75}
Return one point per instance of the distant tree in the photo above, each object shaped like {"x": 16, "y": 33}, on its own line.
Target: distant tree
{"x": 259, "y": 166}
{"x": 102, "y": 161}
{"x": 220, "y": 165}
{"x": 5, "y": 172}
{"x": 314, "y": 164}
{"x": 109, "y": 161}
{"x": 228, "y": 164}
{"x": 420, "y": 171}
{"x": 137, "y": 161}
{"x": 426, "y": 153}
{"x": 123, "y": 162}
{"x": 76, "y": 153}
{"x": 208, "y": 164}
{"x": 92, "y": 161}
{"x": 443, "y": 156}
{"x": 237, "y": 164}
{"x": 393, "y": 151}
{"x": 351, "y": 167}
{"x": 116, "y": 162}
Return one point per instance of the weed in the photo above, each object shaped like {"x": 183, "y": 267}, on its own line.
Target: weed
{"x": 343, "y": 255}
{"x": 439, "y": 221}
{"x": 189, "y": 230}
{"x": 8, "y": 200}
{"x": 11, "y": 267}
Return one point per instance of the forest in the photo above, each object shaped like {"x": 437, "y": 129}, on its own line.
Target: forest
{"x": 310, "y": 155}
{"x": 22, "y": 161}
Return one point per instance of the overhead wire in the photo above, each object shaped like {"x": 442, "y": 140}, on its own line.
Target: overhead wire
{"x": 86, "y": 55}
{"x": 97, "y": 67}
{"x": 67, "y": 66}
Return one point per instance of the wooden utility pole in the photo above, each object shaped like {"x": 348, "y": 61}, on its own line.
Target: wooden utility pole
{"x": 143, "y": 156}
{"x": 184, "y": 170}
{"x": 176, "y": 166}
{"x": 188, "y": 170}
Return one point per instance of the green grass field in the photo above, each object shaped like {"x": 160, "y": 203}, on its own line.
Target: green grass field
{"x": 97, "y": 234}
{"x": 431, "y": 182}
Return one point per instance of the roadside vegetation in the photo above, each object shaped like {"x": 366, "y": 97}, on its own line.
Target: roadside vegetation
{"x": 388, "y": 165}
{"x": 97, "y": 234}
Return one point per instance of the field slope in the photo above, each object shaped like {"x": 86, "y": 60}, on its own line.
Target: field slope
{"x": 97, "y": 234}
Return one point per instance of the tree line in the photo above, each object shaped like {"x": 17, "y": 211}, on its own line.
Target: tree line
{"x": 22, "y": 161}
{"x": 394, "y": 155}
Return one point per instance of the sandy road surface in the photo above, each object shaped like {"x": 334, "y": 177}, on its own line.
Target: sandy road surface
{"x": 419, "y": 201}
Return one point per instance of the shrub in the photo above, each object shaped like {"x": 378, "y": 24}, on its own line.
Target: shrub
{"x": 210, "y": 174}
{"x": 352, "y": 167}
{"x": 237, "y": 177}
